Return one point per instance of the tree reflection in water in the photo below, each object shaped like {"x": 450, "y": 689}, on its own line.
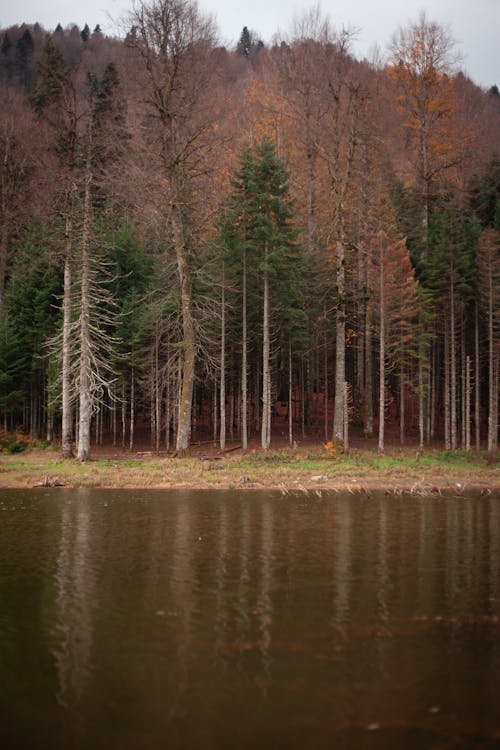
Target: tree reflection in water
{"x": 219, "y": 619}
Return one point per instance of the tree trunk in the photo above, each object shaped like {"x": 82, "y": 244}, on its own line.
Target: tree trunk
{"x": 231, "y": 407}
{"x": 421, "y": 399}
{"x": 325, "y": 377}
{"x": 266, "y": 346}
{"x": 67, "y": 415}
{"x": 453, "y": 368}
{"x": 446, "y": 395}
{"x": 124, "y": 414}
{"x": 302, "y": 399}
{"x": 464, "y": 386}
{"x": 132, "y": 409}
{"x": 223, "y": 367}
{"x": 338, "y": 419}
{"x": 244, "y": 364}
{"x": 168, "y": 401}
{"x": 50, "y": 410}
{"x": 114, "y": 415}
{"x": 477, "y": 390}
{"x": 290, "y": 395}
{"x": 346, "y": 417}
{"x": 83, "y": 452}
{"x": 360, "y": 348}
{"x": 157, "y": 391}
{"x": 402, "y": 407}
{"x": 381, "y": 397}
{"x": 467, "y": 405}
{"x": 4, "y": 247}
{"x": 215, "y": 409}
{"x": 496, "y": 366}
{"x": 492, "y": 371}
{"x": 187, "y": 353}
{"x": 368, "y": 401}
{"x": 434, "y": 381}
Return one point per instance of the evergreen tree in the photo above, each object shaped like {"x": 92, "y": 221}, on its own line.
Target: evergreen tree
{"x": 6, "y": 44}
{"x": 85, "y": 33}
{"x": 24, "y": 52}
{"x": 488, "y": 267}
{"x": 244, "y": 46}
{"x": 485, "y": 195}
{"x": 449, "y": 275}
{"x": 29, "y": 318}
{"x": 249, "y": 45}
{"x": 6, "y": 62}
{"x": 260, "y": 228}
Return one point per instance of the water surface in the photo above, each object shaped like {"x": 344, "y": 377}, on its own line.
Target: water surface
{"x": 136, "y": 620}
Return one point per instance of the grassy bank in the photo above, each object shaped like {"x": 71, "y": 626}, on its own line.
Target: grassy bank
{"x": 431, "y": 471}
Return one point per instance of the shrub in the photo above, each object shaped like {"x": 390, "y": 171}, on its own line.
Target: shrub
{"x": 17, "y": 446}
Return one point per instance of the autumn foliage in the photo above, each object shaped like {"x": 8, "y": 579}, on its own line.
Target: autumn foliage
{"x": 321, "y": 298}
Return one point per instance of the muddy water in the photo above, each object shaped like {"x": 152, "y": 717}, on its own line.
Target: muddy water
{"x": 134, "y": 620}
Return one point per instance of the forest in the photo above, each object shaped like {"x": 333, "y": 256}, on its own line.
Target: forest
{"x": 276, "y": 242}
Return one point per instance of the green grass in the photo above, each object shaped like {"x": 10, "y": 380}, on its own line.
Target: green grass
{"x": 276, "y": 468}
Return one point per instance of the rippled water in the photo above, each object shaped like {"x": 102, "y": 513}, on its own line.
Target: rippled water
{"x": 134, "y": 620}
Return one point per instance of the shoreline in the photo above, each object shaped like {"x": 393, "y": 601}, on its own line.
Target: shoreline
{"x": 361, "y": 471}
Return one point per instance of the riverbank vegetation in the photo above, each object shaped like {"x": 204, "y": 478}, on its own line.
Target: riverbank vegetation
{"x": 310, "y": 468}
{"x": 276, "y": 243}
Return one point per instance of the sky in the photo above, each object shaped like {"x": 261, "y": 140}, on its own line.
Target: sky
{"x": 474, "y": 24}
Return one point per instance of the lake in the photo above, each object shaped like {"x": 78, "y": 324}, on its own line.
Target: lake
{"x": 150, "y": 619}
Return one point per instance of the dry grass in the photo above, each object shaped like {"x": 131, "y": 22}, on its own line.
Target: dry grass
{"x": 285, "y": 470}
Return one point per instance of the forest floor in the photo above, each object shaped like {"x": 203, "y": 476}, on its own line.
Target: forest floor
{"x": 308, "y": 467}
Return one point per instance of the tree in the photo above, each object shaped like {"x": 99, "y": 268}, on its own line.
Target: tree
{"x": 244, "y": 46}
{"x": 84, "y": 155}
{"x": 173, "y": 43}
{"x": 392, "y": 279}
{"x": 96, "y": 315}
{"x": 448, "y": 274}
{"x": 260, "y": 224}
{"x": 298, "y": 64}
{"x": 422, "y": 58}
{"x": 347, "y": 100}
{"x": 489, "y": 281}
{"x": 30, "y": 316}
{"x": 85, "y": 33}
{"x": 55, "y": 100}
{"x": 16, "y": 168}
{"x": 249, "y": 45}
{"x": 24, "y": 51}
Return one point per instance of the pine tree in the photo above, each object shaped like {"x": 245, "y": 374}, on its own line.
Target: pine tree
{"x": 85, "y": 33}
{"x": 6, "y": 62}
{"x": 448, "y": 274}
{"x": 260, "y": 227}
{"x": 244, "y": 46}
{"x": 489, "y": 284}
{"x": 24, "y": 51}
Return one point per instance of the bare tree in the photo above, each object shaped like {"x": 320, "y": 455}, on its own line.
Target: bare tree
{"x": 422, "y": 58}
{"x": 173, "y": 42}
{"x": 56, "y": 100}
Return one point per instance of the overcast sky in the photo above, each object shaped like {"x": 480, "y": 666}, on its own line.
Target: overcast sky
{"x": 474, "y": 24}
